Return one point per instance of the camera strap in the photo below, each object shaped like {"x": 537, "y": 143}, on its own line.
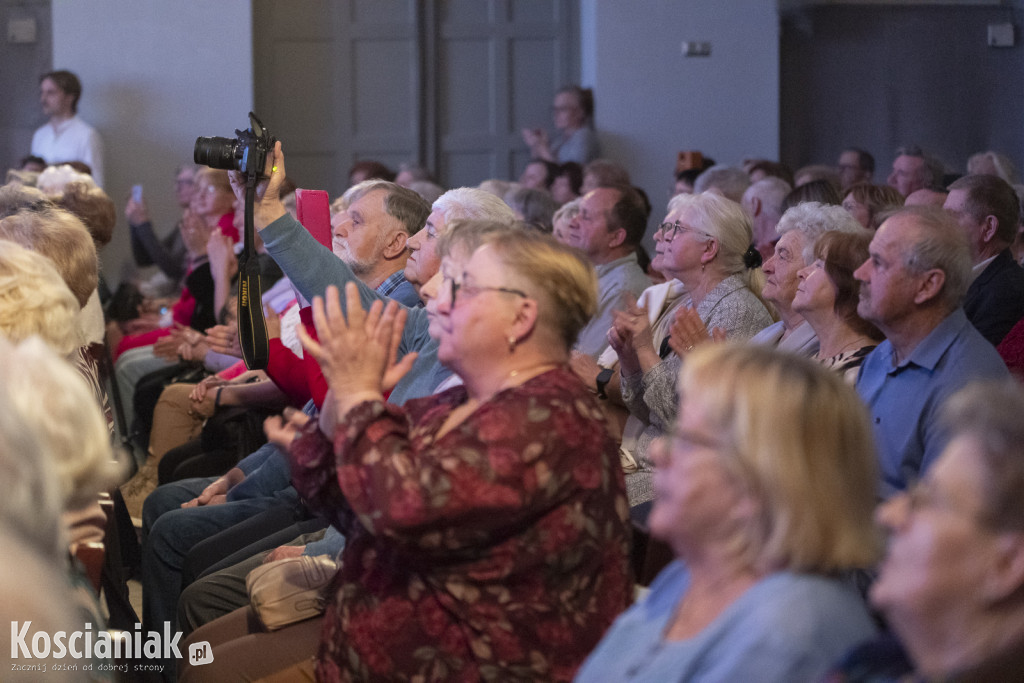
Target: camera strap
{"x": 252, "y": 327}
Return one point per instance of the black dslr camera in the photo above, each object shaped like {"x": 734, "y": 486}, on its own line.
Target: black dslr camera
{"x": 246, "y": 153}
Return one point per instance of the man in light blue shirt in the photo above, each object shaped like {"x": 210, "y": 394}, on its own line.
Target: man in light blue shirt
{"x": 912, "y": 286}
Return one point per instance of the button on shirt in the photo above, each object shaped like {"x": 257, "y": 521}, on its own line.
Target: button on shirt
{"x": 904, "y": 400}
{"x": 71, "y": 140}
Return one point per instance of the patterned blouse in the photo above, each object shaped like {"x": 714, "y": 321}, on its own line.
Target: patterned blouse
{"x": 847, "y": 363}
{"x": 498, "y": 551}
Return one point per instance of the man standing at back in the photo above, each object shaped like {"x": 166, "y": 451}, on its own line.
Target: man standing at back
{"x": 66, "y": 137}
{"x": 912, "y": 287}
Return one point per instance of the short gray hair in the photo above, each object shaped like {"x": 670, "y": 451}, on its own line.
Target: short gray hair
{"x": 732, "y": 182}
{"x": 771, "y": 191}
{"x": 567, "y": 210}
{"x": 940, "y": 244}
{"x": 470, "y": 203}
{"x": 53, "y": 401}
{"x": 401, "y": 203}
{"x": 814, "y": 219}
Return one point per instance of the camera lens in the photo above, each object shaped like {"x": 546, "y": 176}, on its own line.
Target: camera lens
{"x": 216, "y": 152}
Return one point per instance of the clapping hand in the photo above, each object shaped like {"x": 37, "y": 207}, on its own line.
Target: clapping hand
{"x": 631, "y": 337}
{"x": 687, "y": 331}
{"x": 358, "y": 351}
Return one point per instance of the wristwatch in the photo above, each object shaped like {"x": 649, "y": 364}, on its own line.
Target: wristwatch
{"x": 603, "y": 378}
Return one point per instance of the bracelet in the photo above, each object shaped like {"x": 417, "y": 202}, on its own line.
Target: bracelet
{"x": 216, "y": 400}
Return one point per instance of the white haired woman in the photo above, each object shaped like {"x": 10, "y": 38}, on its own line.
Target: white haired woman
{"x": 705, "y": 246}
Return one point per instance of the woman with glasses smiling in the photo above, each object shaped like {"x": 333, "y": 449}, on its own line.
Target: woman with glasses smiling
{"x": 486, "y": 525}
{"x": 765, "y": 492}
{"x": 705, "y": 248}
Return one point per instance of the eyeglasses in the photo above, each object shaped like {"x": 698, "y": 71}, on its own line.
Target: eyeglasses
{"x": 670, "y": 230}
{"x": 473, "y": 290}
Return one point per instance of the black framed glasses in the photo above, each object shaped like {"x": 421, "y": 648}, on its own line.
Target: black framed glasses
{"x": 670, "y": 230}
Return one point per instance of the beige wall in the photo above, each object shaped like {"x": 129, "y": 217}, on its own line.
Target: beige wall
{"x": 155, "y": 76}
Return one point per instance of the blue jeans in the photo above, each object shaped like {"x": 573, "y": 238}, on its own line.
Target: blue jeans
{"x": 170, "y": 532}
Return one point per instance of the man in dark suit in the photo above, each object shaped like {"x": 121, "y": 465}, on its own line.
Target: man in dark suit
{"x": 986, "y": 208}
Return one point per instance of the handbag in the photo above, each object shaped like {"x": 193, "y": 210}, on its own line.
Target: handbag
{"x": 290, "y": 590}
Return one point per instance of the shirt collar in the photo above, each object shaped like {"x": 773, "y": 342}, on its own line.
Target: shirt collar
{"x": 391, "y": 283}
{"x": 978, "y": 268}
{"x": 929, "y": 351}
{"x": 611, "y": 265}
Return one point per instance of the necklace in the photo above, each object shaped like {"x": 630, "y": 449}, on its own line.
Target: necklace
{"x": 861, "y": 340}
{"x": 534, "y": 370}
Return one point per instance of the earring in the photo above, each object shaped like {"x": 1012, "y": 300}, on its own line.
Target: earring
{"x": 702, "y": 267}
{"x": 511, "y": 344}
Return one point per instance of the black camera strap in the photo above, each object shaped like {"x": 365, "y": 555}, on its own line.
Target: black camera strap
{"x": 252, "y": 327}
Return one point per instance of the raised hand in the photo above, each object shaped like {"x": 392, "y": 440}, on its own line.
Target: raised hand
{"x": 267, "y": 206}
{"x": 631, "y": 337}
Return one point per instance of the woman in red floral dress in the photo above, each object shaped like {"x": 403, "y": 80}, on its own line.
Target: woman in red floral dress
{"x": 487, "y": 525}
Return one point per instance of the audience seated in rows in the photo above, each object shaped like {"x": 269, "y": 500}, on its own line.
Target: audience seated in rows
{"x": 844, "y": 289}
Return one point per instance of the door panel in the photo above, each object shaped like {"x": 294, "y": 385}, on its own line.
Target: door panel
{"x": 447, "y": 83}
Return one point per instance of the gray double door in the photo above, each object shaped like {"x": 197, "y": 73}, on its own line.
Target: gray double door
{"x": 446, "y": 83}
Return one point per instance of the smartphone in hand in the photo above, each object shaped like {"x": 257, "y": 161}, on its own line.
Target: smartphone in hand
{"x": 137, "y": 194}
{"x": 314, "y": 212}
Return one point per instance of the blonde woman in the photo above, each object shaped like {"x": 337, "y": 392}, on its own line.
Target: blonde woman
{"x": 765, "y": 491}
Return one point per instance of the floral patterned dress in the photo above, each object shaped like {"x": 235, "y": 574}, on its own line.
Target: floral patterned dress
{"x": 496, "y": 552}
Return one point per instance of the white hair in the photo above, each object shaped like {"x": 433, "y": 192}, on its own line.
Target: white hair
{"x": 814, "y": 219}
{"x": 51, "y": 401}
{"x": 54, "y": 179}
{"x": 771, "y": 191}
{"x": 470, "y": 203}
{"x": 729, "y": 181}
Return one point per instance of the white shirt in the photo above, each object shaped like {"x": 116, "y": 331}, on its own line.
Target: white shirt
{"x": 71, "y": 140}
